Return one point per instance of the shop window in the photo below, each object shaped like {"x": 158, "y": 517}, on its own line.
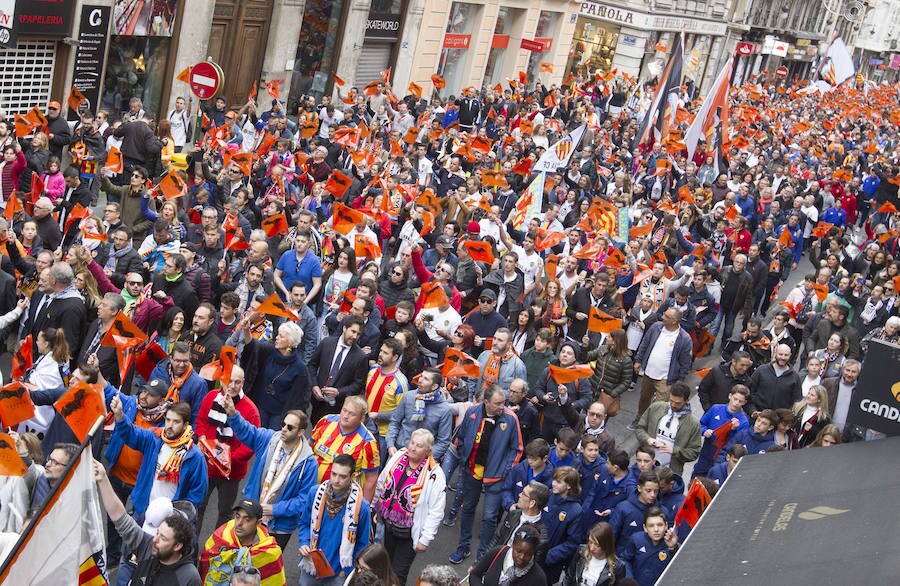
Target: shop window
{"x": 136, "y": 68}
{"x": 317, "y": 50}
{"x": 455, "y": 55}
{"x": 26, "y": 74}
{"x": 495, "y": 71}
{"x": 593, "y": 47}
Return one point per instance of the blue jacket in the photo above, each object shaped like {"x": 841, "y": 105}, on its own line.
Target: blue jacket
{"x": 671, "y": 501}
{"x": 682, "y": 353}
{"x": 192, "y": 391}
{"x": 606, "y": 495}
{"x": 755, "y": 443}
{"x": 129, "y": 408}
{"x": 747, "y": 207}
{"x": 331, "y": 530}
{"x": 645, "y": 561}
{"x": 627, "y": 519}
{"x": 562, "y": 517}
{"x": 719, "y": 472}
{"x": 713, "y": 418}
{"x": 506, "y": 442}
{"x": 519, "y": 477}
{"x": 569, "y": 460}
{"x": 286, "y": 508}
{"x": 192, "y": 481}
{"x": 439, "y": 420}
{"x": 590, "y": 474}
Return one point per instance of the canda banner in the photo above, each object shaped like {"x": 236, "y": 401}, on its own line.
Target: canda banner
{"x": 876, "y": 398}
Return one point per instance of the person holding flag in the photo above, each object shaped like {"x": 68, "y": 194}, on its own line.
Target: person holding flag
{"x": 172, "y": 465}
{"x": 718, "y": 424}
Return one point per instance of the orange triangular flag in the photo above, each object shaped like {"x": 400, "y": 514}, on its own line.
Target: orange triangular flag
{"x": 254, "y": 89}
{"x": 548, "y": 240}
{"x": 13, "y": 206}
{"x": 15, "y": 404}
{"x": 345, "y": 218}
{"x": 604, "y": 323}
{"x": 228, "y": 356}
{"x": 123, "y": 327}
{"x": 460, "y": 364}
{"x": 433, "y": 295}
{"x": 272, "y": 87}
{"x": 75, "y": 99}
{"x": 338, "y": 184}
{"x": 172, "y": 185}
{"x": 275, "y": 225}
{"x": 785, "y": 238}
{"x": 427, "y": 199}
{"x": 821, "y": 291}
{"x": 338, "y": 81}
{"x": 415, "y": 89}
{"x": 185, "y": 75}
{"x": 365, "y": 247}
{"x": 386, "y": 76}
{"x": 427, "y": 223}
{"x": 273, "y": 305}
{"x": 78, "y": 212}
{"x": 887, "y": 208}
{"x": 639, "y": 231}
{"x": 480, "y": 251}
{"x": 114, "y": 161}
{"x": 438, "y": 81}
{"x": 11, "y": 463}
{"x": 567, "y": 375}
{"x": 81, "y": 407}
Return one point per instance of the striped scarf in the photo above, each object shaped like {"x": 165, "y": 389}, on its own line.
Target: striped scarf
{"x": 219, "y": 418}
{"x": 171, "y": 470}
{"x": 391, "y": 504}
{"x": 350, "y": 526}
{"x": 176, "y": 382}
{"x": 223, "y": 552}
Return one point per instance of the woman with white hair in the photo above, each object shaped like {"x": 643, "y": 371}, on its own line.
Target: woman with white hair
{"x": 276, "y": 378}
{"x": 889, "y": 332}
{"x": 409, "y": 501}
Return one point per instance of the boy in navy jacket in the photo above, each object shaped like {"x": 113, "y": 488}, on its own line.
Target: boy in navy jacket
{"x": 591, "y": 465}
{"x": 717, "y": 415}
{"x": 628, "y": 516}
{"x": 535, "y": 467}
{"x": 759, "y": 439}
{"x": 563, "y": 451}
{"x": 648, "y": 552}
{"x": 720, "y": 471}
{"x": 644, "y": 461}
{"x": 609, "y": 491}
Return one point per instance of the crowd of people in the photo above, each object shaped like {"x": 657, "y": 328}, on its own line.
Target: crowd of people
{"x": 409, "y": 341}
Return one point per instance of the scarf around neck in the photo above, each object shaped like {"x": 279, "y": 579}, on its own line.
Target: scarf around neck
{"x": 171, "y": 470}
{"x": 350, "y": 525}
{"x": 176, "y": 382}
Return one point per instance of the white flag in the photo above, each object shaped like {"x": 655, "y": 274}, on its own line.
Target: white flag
{"x": 837, "y": 66}
{"x": 67, "y": 533}
{"x": 558, "y": 154}
{"x": 711, "y": 113}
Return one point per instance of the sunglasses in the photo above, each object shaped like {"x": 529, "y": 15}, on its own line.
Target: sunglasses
{"x": 249, "y": 570}
{"x": 288, "y": 426}
{"x": 397, "y": 273}
{"x": 485, "y": 300}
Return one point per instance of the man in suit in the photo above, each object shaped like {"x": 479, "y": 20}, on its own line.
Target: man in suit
{"x": 91, "y": 350}
{"x": 600, "y": 295}
{"x": 338, "y": 368}
{"x": 59, "y": 306}
{"x": 77, "y": 192}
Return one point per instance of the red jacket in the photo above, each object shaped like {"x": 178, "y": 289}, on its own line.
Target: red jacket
{"x": 240, "y": 454}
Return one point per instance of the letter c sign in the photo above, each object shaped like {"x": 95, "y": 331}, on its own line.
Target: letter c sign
{"x": 94, "y": 18}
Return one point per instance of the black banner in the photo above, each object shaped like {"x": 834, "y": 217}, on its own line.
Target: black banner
{"x": 7, "y": 24}
{"x": 876, "y": 398}
{"x": 383, "y": 26}
{"x": 93, "y": 36}
{"x": 45, "y": 18}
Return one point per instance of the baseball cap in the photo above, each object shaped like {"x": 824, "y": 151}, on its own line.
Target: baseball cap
{"x": 474, "y": 228}
{"x": 192, "y": 246}
{"x": 157, "y": 387}
{"x": 250, "y": 506}
{"x": 157, "y": 511}
{"x": 489, "y": 294}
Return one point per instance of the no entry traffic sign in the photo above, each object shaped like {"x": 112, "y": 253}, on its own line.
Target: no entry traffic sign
{"x": 781, "y": 72}
{"x": 206, "y": 78}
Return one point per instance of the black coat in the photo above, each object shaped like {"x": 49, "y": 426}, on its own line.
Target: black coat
{"x": 180, "y": 291}
{"x": 716, "y": 385}
{"x": 70, "y": 314}
{"x": 350, "y": 379}
{"x": 768, "y": 391}
{"x": 62, "y": 135}
{"x": 576, "y": 569}
{"x": 106, "y": 355}
{"x": 487, "y": 570}
{"x": 130, "y": 262}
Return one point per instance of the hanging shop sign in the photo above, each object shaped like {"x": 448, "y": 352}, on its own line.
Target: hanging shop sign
{"x": 383, "y": 26}
{"x": 93, "y": 36}
{"x": 54, "y": 18}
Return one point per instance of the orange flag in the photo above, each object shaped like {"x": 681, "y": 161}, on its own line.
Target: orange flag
{"x": 616, "y": 259}
{"x": 433, "y": 295}
{"x": 172, "y": 185}
{"x": 589, "y": 251}
{"x": 731, "y": 213}
{"x": 366, "y": 247}
{"x": 275, "y": 225}
{"x": 411, "y": 136}
{"x": 526, "y": 127}
{"x": 338, "y": 184}
{"x": 548, "y": 240}
{"x": 639, "y": 231}
{"x": 24, "y": 126}
{"x": 81, "y": 406}
{"x": 371, "y": 88}
{"x": 273, "y": 305}
{"x": 785, "y": 238}
{"x": 268, "y": 141}
{"x": 415, "y": 89}
{"x": 254, "y": 89}
{"x": 493, "y": 179}
{"x": 695, "y": 502}
{"x": 821, "y": 291}
{"x": 822, "y": 229}
{"x": 211, "y": 371}
{"x": 79, "y": 212}
{"x": 228, "y": 356}
{"x": 347, "y": 137}
{"x": 236, "y": 241}
{"x": 185, "y": 75}
{"x": 75, "y": 99}
{"x": 13, "y": 206}
{"x": 523, "y": 167}
{"x": 272, "y": 87}
{"x": 458, "y": 363}
{"x": 345, "y": 218}
{"x": 244, "y": 161}
{"x": 545, "y": 67}
{"x": 130, "y": 335}
{"x": 339, "y": 81}
{"x": 427, "y": 223}
{"x": 15, "y": 404}
{"x": 10, "y": 462}
{"x": 481, "y": 144}
{"x": 309, "y": 129}
{"x": 22, "y": 360}
{"x": 479, "y": 251}
{"x": 428, "y": 200}
{"x": 114, "y": 161}
{"x": 702, "y": 372}
{"x": 567, "y": 375}
{"x": 551, "y": 265}
{"x": 386, "y": 76}
{"x": 887, "y": 208}
{"x": 438, "y": 81}
{"x": 604, "y": 323}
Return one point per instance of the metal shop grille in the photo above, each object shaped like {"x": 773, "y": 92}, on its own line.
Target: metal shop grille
{"x": 26, "y": 74}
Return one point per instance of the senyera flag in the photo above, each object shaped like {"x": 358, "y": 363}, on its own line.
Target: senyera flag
{"x": 63, "y": 543}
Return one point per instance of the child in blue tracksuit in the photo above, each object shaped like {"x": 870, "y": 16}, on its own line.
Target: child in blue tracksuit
{"x": 759, "y": 439}
{"x": 644, "y": 460}
{"x": 720, "y": 471}
{"x": 648, "y": 552}
{"x": 628, "y": 516}
{"x": 562, "y": 517}
{"x": 716, "y": 416}
{"x": 671, "y": 492}
{"x": 609, "y": 491}
{"x": 563, "y": 451}
{"x": 591, "y": 465}
{"x": 535, "y": 467}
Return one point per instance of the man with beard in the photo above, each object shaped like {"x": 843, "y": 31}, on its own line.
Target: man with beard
{"x": 182, "y": 382}
{"x": 163, "y": 558}
{"x": 385, "y": 386}
{"x": 774, "y": 385}
{"x": 243, "y": 541}
{"x": 172, "y": 466}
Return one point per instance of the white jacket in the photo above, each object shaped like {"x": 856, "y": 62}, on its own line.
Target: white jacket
{"x": 430, "y": 507}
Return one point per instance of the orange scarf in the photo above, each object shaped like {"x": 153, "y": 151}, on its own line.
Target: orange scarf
{"x": 177, "y": 382}
{"x": 491, "y": 372}
{"x": 171, "y": 470}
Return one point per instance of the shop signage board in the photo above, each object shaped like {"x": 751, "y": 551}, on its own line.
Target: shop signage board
{"x": 53, "y": 18}
{"x": 90, "y": 56}
{"x": 651, "y": 22}
{"x": 206, "y": 78}
{"x": 7, "y": 23}
{"x": 456, "y": 41}
{"x": 500, "y": 42}
{"x": 533, "y": 46}
{"x": 781, "y": 72}
{"x": 383, "y": 26}
{"x": 744, "y": 49}
{"x": 875, "y": 403}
